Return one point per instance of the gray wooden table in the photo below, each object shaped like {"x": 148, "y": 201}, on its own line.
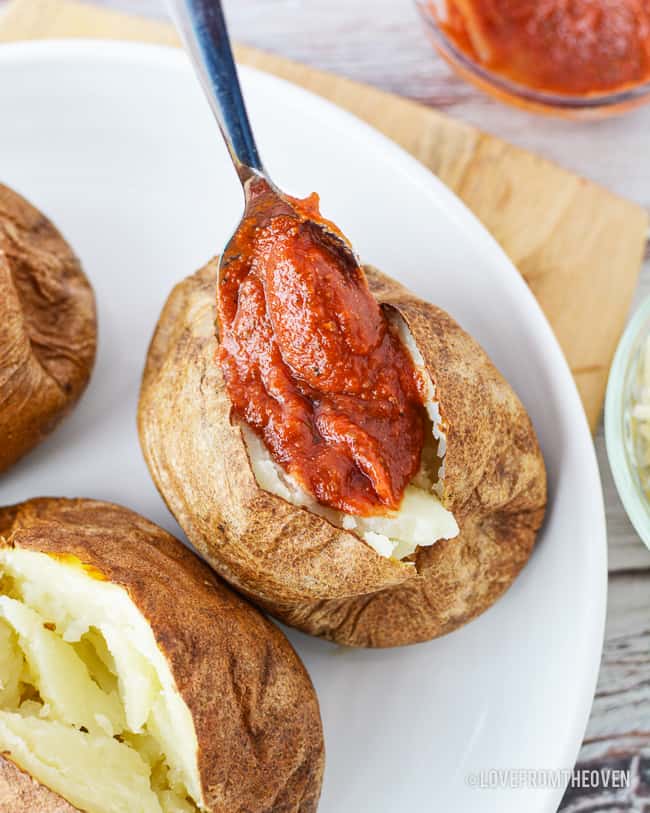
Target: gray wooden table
{"x": 382, "y": 43}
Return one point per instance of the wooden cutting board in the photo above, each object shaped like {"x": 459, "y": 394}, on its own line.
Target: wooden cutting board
{"x": 578, "y": 246}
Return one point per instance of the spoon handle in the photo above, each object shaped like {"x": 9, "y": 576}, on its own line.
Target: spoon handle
{"x": 202, "y": 26}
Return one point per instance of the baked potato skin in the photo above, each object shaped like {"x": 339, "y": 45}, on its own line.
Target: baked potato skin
{"x": 254, "y": 708}
{"x": 48, "y": 327}
{"x": 320, "y": 579}
{"x": 254, "y": 539}
{"x": 19, "y": 793}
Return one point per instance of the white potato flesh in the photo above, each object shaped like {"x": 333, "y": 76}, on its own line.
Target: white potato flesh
{"x": 94, "y": 773}
{"x": 11, "y": 667}
{"x": 61, "y": 676}
{"x": 430, "y": 403}
{"x": 88, "y": 704}
{"x": 421, "y": 519}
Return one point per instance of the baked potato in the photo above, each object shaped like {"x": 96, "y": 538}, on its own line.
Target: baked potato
{"x": 48, "y": 327}
{"x": 132, "y": 680}
{"x": 357, "y": 583}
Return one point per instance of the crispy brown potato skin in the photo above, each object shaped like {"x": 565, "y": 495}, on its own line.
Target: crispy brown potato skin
{"x": 255, "y": 711}
{"x": 19, "y": 793}
{"x": 296, "y": 565}
{"x": 48, "y": 327}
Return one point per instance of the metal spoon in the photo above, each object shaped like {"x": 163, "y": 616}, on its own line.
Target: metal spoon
{"x": 202, "y": 26}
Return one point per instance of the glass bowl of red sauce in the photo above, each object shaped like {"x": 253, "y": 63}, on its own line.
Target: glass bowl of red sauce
{"x": 584, "y": 58}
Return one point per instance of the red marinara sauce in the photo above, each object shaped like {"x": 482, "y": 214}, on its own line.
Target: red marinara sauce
{"x": 570, "y": 47}
{"x": 311, "y": 363}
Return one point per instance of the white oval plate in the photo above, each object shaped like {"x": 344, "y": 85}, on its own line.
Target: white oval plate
{"x": 115, "y": 142}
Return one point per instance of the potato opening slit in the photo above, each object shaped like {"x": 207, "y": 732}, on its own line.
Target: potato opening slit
{"x": 421, "y": 519}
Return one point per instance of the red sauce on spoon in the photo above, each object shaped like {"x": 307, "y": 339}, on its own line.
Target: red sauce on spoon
{"x": 311, "y": 363}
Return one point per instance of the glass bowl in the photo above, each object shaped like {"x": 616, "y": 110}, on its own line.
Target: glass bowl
{"x": 595, "y": 106}
{"x": 622, "y": 390}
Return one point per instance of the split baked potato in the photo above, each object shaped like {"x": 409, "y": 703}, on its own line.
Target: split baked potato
{"x": 132, "y": 680}
{"x": 328, "y": 574}
{"x": 48, "y": 327}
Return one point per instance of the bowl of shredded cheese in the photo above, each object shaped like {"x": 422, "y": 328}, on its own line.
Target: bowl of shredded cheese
{"x": 627, "y": 420}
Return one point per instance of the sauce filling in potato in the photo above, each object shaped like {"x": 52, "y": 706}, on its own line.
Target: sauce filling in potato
{"x": 88, "y": 704}
{"x": 334, "y": 405}
{"x": 313, "y": 366}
